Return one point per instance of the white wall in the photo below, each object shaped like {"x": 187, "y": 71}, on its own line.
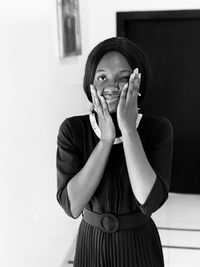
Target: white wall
{"x": 37, "y": 92}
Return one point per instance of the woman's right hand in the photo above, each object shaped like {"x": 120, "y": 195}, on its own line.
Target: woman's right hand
{"x": 105, "y": 121}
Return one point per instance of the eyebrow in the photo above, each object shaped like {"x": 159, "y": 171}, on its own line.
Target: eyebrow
{"x": 121, "y": 71}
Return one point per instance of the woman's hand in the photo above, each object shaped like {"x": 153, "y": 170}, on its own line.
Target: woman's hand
{"x": 127, "y": 109}
{"x": 105, "y": 121}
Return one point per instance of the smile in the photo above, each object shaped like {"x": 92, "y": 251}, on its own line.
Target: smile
{"x": 111, "y": 96}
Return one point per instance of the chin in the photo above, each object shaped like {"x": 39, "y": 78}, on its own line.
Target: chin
{"x": 112, "y": 108}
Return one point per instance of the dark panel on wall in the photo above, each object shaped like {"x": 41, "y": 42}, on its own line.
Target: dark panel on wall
{"x": 171, "y": 41}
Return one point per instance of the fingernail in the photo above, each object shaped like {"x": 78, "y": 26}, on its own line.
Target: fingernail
{"x": 132, "y": 76}
{"x": 139, "y": 94}
{"x": 135, "y": 72}
{"x": 125, "y": 86}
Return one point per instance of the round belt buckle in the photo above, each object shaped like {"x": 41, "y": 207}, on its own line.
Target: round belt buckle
{"x": 109, "y": 223}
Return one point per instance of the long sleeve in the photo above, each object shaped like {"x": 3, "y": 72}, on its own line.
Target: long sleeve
{"x": 159, "y": 154}
{"x": 68, "y": 161}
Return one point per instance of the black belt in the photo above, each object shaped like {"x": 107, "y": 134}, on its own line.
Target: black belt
{"x": 111, "y": 223}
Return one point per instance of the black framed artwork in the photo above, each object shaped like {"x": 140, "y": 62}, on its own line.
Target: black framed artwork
{"x": 171, "y": 41}
{"x": 69, "y": 33}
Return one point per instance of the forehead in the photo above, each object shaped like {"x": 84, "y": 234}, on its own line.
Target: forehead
{"x": 113, "y": 60}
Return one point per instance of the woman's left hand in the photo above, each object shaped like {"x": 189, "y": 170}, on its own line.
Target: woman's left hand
{"x": 127, "y": 109}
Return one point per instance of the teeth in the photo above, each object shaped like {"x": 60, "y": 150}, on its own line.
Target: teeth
{"x": 111, "y": 98}
{"x": 110, "y": 91}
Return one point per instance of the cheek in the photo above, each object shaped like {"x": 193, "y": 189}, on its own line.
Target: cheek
{"x": 99, "y": 87}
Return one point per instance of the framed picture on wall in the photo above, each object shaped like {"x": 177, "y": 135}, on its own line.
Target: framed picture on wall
{"x": 69, "y": 34}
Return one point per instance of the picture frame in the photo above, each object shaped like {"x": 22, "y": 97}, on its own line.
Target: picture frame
{"x": 69, "y": 33}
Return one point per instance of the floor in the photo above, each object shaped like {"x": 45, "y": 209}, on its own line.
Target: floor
{"x": 179, "y": 227}
{"x": 178, "y": 223}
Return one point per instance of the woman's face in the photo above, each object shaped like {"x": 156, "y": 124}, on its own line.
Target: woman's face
{"x": 112, "y": 73}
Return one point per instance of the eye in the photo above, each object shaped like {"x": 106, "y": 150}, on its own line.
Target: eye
{"x": 101, "y": 78}
{"x": 124, "y": 79}
{"x": 121, "y": 82}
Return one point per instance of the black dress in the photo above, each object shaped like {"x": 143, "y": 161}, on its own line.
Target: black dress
{"x": 137, "y": 247}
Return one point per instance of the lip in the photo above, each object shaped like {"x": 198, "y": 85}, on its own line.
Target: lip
{"x": 111, "y": 97}
{"x": 111, "y": 100}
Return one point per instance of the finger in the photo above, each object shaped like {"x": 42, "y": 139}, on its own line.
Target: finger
{"x": 92, "y": 94}
{"x": 137, "y": 82}
{"x": 134, "y": 84}
{"x": 123, "y": 94}
{"x": 133, "y": 78}
{"x": 96, "y": 100}
{"x": 104, "y": 105}
{"x": 131, "y": 83}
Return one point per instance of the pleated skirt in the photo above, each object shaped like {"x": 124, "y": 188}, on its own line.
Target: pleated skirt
{"x": 136, "y": 247}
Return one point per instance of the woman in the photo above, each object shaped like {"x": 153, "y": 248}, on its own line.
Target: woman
{"x": 114, "y": 164}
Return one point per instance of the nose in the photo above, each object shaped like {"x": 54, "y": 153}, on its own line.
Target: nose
{"x": 111, "y": 88}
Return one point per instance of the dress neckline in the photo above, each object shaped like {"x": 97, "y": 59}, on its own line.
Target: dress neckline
{"x": 97, "y": 131}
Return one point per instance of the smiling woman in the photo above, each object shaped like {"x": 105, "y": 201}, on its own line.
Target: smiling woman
{"x": 113, "y": 165}
{"x": 112, "y": 73}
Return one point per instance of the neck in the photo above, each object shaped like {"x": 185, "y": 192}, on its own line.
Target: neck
{"x": 114, "y": 118}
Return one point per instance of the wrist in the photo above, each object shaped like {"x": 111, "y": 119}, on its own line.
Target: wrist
{"x": 130, "y": 129}
{"x": 107, "y": 142}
